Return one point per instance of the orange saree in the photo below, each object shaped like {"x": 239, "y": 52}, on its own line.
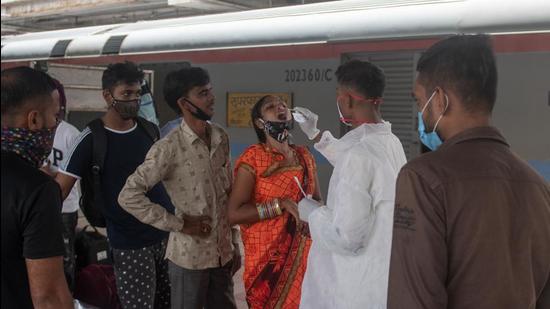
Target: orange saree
{"x": 275, "y": 249}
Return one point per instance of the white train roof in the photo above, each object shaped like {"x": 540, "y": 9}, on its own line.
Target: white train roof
{"x": 328, "y": 22}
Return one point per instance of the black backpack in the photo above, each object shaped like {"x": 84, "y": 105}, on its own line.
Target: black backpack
{"x": 91, "y": 199}
{"x": 91, "y": 247}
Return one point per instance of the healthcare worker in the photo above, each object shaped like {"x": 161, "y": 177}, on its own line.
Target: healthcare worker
{"x": 348, "y": 263}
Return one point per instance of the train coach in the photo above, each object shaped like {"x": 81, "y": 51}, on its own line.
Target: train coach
{"x": 294, "y": 52}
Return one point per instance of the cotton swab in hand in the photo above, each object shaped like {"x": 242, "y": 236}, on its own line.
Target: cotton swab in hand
{"x": 300, "y": 186}
{"x": 298, "y": 117}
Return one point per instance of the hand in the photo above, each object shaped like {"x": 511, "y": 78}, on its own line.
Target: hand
{"x": 196, "y": 225}
{"x": 291, "y": 207}
{"x": 309, "y": 126}
{"x": 305, "y": 207}
{"x": 237, "y": 260}
{"x": 303, "y": 228}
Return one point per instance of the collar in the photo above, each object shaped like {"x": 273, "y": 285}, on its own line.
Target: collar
{"x": 119, "y": 131}
{"x": 486, "y": 133}
{"x": 192, "y": 137}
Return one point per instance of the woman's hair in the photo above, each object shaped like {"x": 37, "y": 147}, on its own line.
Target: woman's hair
{"x": 256, "y": 113}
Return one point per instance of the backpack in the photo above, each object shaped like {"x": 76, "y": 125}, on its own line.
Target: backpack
{"x": 91, "y": 247}
{"x": 91, "y": 199}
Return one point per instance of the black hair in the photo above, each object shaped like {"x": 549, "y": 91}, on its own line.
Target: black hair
{"x": 124, "y": 72}
{"x": 362, "y": 76}
{"x": 178, "y": 83}
{"x": 57, "y": 85}
{"x": 256, "y": 113}
{"x": 464, "y": 64}
{"x": 21, "y": 84}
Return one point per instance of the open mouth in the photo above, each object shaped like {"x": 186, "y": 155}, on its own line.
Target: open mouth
{"x": 282, "y": 116}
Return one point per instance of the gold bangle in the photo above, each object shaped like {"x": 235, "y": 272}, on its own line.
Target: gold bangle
{"x": 278, "y": 210}
{"x": 260, "y": 210}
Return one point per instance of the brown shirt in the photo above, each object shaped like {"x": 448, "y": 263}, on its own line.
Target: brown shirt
{"x": 471, "y": 229}
{"x": 198, "y": 181}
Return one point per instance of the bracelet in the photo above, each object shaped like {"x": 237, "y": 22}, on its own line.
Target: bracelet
{"x": 260, "y": 209}
{"x": 269, "y": 210}
{"x": 278, "y": 210}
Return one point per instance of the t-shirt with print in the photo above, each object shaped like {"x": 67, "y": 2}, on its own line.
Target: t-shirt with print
{"x": 126, "y": 150}
{"x": 65, "y": 138}
{"x": 31, "y": 225}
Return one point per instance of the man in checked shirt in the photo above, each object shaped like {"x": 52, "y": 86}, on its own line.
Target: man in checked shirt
{"x": 193, "y": 163}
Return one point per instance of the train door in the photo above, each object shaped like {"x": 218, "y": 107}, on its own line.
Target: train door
{"x": 398, "y": 107}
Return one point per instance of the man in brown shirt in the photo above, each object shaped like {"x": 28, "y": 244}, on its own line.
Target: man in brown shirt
{"x": 193, "y": 163}
{"x": 472, "y": 220}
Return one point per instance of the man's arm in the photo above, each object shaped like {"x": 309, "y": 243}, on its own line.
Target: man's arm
{"x": 418, "y": 267}
{"x": 47, "y": 283}
{"x": 326, "y": 145}
{"x": 133, "y": 197}
{"x": 43, "y": 247}
{"x": 66, "y": 183}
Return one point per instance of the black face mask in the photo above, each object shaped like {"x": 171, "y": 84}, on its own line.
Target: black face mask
{"x": 199, "y": 113}
{"x": 277, "y": 129}
{"x": 127, "y": 109}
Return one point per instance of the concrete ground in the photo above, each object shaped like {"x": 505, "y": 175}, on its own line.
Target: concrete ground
{"x": 240, "y": 296}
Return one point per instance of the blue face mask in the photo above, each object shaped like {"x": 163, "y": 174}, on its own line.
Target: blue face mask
{"x": 431, "y": 140}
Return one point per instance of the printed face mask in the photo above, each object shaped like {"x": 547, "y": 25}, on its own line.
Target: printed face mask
{"x": 33, "y": 146}
{"x": 277, "y": 129}
{"x": 431, "y": 139}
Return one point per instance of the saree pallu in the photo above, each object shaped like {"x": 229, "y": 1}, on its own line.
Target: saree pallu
{"x": 276, "y": 249}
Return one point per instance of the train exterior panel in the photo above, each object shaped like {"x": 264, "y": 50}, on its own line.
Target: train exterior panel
{"x": 300, "y": 58}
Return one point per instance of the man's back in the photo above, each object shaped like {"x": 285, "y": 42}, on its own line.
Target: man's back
{"x": 31, "y": 225}
{"x": 479, "y": 234}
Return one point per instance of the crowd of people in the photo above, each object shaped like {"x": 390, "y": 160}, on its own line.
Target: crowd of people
{"x": 466, "y": 225}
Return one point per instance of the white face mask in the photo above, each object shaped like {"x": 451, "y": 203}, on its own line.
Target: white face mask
{"x": 343, "y": 120}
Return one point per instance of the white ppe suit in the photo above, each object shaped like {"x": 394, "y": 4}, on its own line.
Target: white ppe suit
{"x": 349, "y": 259}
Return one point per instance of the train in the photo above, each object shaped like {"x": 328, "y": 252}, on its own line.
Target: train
{"x": 294, "y": 52}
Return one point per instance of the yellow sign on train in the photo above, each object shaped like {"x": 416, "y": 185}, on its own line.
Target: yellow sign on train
{"x": 239, "y": 106}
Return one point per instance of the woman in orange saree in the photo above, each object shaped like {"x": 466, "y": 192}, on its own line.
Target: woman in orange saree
{"x": 276, "y": 243}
